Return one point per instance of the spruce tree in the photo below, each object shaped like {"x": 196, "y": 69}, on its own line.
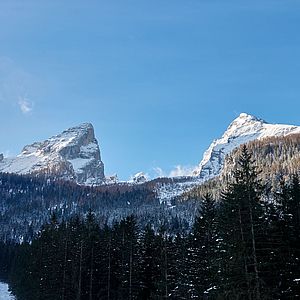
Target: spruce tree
{"x": 148, "y": 265}
{"x": 239, "y": 226}
{"x": 293, "y": 210}
{"x": 202, "y": 250}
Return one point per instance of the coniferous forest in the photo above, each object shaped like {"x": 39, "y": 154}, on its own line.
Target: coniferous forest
{"x": 244, "y": 245}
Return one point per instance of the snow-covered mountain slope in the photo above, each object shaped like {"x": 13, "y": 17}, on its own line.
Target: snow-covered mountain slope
{"x": 166, "y": 191}
{"x": 243, "y": 129}
{"x": 74, "y": 155}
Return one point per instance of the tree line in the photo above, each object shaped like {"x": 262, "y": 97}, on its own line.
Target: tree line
{"x": 26, "y": 203}
{"x": 245, "y": 245}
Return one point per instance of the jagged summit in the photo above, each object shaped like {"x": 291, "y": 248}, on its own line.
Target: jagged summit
{"x": 244, "y": 123}
{"x": 243, "y": 129}
{"x": 74, "y": 155}
{"x": 81, "y": 128}
{"x": 245, "y": 118}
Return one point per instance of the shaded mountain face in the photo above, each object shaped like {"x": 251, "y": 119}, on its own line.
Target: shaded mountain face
{"x": 242, "y": 130}
{"x": 72, "y": 155}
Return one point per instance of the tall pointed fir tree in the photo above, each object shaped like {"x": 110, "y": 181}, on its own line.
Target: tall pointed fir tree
{"x": 92, "y": 242}
{"x": 292, "y": 237}
{"x": 148, "y": 266}
{"x": 241, "y": 214}
{"x": 202, "y": 251}
{"x": 163, "y": 281}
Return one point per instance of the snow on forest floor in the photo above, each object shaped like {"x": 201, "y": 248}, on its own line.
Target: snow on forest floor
{"x": 4, "y": 293}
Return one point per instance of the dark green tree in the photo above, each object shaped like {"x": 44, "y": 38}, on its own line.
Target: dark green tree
{"x": 241, "y": 215}
{"x": 148, "y": 266}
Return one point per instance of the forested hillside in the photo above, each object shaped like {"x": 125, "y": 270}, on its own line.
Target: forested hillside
{"x": 26, "y": 203}
{"x": 246, "y": 245}
{"x": 276, "y": 157}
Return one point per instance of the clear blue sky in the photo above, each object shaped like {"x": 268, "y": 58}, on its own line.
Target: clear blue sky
{"x": 158, "y": 79}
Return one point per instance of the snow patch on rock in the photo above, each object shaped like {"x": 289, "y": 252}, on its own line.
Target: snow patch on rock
{"x": 139, "y": 178}
{"x": 112, "y": 179}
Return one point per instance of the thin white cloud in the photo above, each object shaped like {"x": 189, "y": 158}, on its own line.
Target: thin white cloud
{"x": 15, "y": 85}
{"x": 178, "y": 170}
{"x": 25, "y": 105}
{"x": 159, "y": 172}
{"x": 182, "y": 171}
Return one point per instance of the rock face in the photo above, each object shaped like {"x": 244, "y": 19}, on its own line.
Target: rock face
{"x": 243, "y": 129}
{"x": 73, "y": 155}
{"x": 112, "y": 179}
{"x": 139, "y": 178}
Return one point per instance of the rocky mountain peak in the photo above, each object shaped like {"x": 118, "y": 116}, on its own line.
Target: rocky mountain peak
{"x": 74, "y": 155}
{"x": 243, "y": 129}
{"x": 83, "y": 130}
{"x": 244, "y": 124}
{"x": 245, "y": 119}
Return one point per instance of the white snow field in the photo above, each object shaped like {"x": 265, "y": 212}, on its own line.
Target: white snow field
{"x": 4, "y": 293}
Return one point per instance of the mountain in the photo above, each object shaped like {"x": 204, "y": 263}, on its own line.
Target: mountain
{"x": 73, "y": 155}
{"x": 242, "y": 130}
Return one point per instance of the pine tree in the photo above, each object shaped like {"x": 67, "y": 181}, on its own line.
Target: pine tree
{"x": 239, "y": 227}
{"x": 91, "y": 239}
{"x": 202, "y": 251}
{"x": 180, "y": 281}
{"x": 293, "y": 238}
{"x": 163, "y": 263}
{"x": 148, "y": 265}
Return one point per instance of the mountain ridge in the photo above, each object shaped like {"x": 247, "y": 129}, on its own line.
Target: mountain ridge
{"x": 73, "y": 155}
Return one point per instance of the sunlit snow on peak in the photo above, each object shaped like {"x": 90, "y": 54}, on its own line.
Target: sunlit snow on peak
{"x": 242, "y": 130}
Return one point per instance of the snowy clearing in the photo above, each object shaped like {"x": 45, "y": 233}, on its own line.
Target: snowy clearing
{"x": 4, "y": 293}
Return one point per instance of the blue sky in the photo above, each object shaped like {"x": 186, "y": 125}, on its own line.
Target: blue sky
{"x": 159, "y": 80}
